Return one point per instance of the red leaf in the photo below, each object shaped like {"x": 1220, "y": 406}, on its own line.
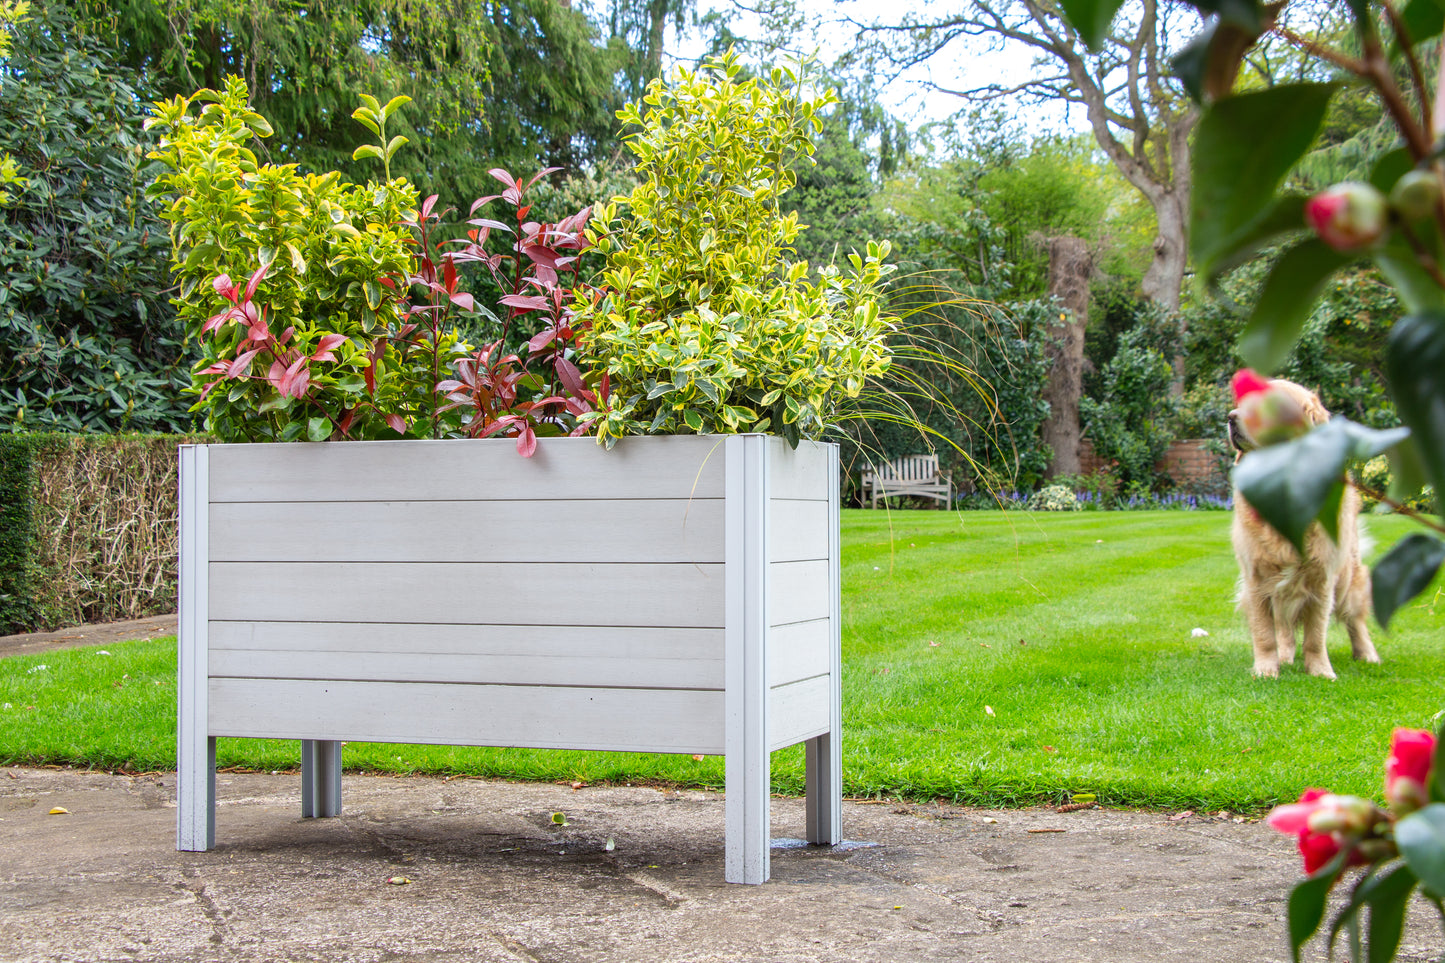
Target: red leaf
{"x": 527, "y": 302}
{"x": 464, "y": 301}
{"x": 571, "y": 377}
{"x": 504, "y": 177}
{"x": 325, "y": 346}
{"x": 542, "y": 340}
{"x": 522, "y": 211}
{"x": 242, "y": 365}
{"x": 494, "y": 225}
{"x": 449, "y": 276}
{"x": 296, "y": 379}
{"x": 541, "y": 174}
{"x": 428, "y": 204}
{"x": 544, "y": 256}
{"x": 481, "y": 201}
{"x": 286, "y": 335}
{"x": 345, "y": 423}
{"x": 527, "y": 442}
{"x": 448, "y": 386}
{"x": 277, "y": 374}
{"x": 225, "y": 288}
{"x": 255, "y": 282}
{"x": 397, "y": 424}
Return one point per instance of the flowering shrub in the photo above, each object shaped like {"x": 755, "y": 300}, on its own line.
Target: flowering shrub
{"x": 1054, "y": 498}
{"x": 1398, "y": 848}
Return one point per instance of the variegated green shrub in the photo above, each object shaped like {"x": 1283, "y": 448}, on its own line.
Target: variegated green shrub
{"x": 704, "y": 323}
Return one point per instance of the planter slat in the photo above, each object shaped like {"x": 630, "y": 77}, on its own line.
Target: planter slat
{"x": 538, "y": 717}
{"x": 682, "y": 530}
{"x": 468, "y": 668}
{"x": 670, "y": 595}
{"x": 416, "y": 471}
{"x": 683, "y": 595}
{"x": 800, "y": 650}
{"x": 797, "y": 711}
{"x": 599, "y": 642}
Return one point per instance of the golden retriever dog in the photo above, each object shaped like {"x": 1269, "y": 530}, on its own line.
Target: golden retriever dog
{"x": 1281, "y": 594}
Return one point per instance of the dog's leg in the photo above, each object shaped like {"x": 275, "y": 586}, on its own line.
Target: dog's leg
{"x": 1284, "y": 639}
{"x": 1261, "y": 629}
{"x": 1314, "y": 619}
{"x": 1352, "y": 602}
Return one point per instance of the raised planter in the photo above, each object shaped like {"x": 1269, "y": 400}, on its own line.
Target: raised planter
{"x": 674, "y": 594}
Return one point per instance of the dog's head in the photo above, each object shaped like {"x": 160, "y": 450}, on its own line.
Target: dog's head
{"x": 1240, "y": 439}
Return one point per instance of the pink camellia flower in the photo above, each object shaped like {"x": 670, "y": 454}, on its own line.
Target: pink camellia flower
{"x": 1268, "y": 413}
{"x": 1324, "y": 823}
{"x": 1407, "y": 770}
{"x": 1349, "y": 216}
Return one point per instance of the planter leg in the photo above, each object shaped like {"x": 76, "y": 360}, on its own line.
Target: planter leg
{"x": 824, "y": 774}
{"x": 320, "y": 778}
{"x": 196, "y": 797}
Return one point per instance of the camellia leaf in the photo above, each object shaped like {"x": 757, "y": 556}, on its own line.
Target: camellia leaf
{"x": 1387, "y": 895}
{"x": 1404, "y": 572}
{"x": 1286, "y": 215}
{"x": 1437, "y": 767}
{"x": 1091, "y": 18}
{"x": 1292, "y": 483}
{"x": 1307, "y": 903}
{"x": 1244, "y": 146}
{"x": 1423, "y": 19}
{"x": 1421, "y": 838}
{"x": 1415, "y": 364}
{"x": 1285, "y": 303}
{"x": 1417, "y": 289}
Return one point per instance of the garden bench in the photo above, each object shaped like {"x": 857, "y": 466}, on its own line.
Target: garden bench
{"x": 917, "y": 475}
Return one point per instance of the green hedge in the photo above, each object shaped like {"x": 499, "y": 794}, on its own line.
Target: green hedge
{"x": 87, "y": 528}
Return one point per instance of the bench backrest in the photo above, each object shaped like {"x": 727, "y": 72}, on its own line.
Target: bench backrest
{"x": 910, "y": 468}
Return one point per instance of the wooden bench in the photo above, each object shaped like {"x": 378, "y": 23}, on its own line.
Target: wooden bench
{"x": 917, "y": 475}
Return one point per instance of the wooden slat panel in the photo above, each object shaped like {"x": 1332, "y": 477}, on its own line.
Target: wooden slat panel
{"x": 798, "y": 531}
{"x": 797, "y": 711}
{"x": 799, "y": 651}
{"x": 797, "y": 592}
{"x": 489, "y": 468}
{"x": 554, "y": 641}
{"x": 800, "y": 474}
{"x": 642, "y": 530}
{"x": 638, "y": 720}
{"x": 681, "y": 595}
{"x": 526, "y": 669}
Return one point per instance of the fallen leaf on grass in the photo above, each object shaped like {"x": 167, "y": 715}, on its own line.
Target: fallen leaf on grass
{"x": 398, "y": 880}
{"x": 559, "y": 819}
{"x": 578, "y": 784}
{"x": 1184, "y": 815}
{"x": 988, "y": 710}
{"x": 59, "y": 811}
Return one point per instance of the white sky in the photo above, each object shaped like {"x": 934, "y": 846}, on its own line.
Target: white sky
{"x": 907, "y": 97}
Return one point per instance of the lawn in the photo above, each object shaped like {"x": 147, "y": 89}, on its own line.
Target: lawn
{"x": 989, "y": 658}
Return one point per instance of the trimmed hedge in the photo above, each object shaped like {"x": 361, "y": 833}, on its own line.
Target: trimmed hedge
{"x": 87, "y": 528}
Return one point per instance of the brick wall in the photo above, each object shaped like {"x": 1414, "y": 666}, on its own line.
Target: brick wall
{"x": 1188, "y": 462}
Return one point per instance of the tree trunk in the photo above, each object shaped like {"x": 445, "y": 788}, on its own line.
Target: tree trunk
{"x": 1165, "y": 275}
{"x": 1070, "y": 267}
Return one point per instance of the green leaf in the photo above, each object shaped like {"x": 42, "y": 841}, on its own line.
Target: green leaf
{"x": 1292, "y": 483}
{"x": 1389, "y": 895}
{"x": 394, "y": 145}
{"x": 692, "y": 419}
{"x": 1307, "y": 903}
{"x": 1407, "y": 470}
{"x": 1421, "y": 838}
{"x": 1091, "y": 18}
{"x": 1437, "y": 767}
{"x": 1285, "y": 215}
{"x": 318, "y": 429}
{"x": 1244, "y": 147}
{"x": 1286, "y": 302}
{"x": 1418, "y": 290}
{"x": 366, "y": 150}
{"x": 1415, "y": 364}
{"x": 1392, "y": 166}
{"x": 1405, "y": 571}
{"x": 1424, "y": 20}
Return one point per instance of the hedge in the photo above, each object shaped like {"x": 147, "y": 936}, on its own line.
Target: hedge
{"x": 87, "y": 528}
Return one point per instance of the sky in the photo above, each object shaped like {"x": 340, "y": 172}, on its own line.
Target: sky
{"x": 908, "y": 96}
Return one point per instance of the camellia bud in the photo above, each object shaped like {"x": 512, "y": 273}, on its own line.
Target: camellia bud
{"x": 1268, "y": 414}
{"x": 1347, "y": 815}
{"x": 1349, "y": 216}
{"x": 1415, "y": 194}
{"x": 1408, "y": 770}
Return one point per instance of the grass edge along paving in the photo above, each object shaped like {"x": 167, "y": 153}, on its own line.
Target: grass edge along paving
{"x": 989, "y": 658}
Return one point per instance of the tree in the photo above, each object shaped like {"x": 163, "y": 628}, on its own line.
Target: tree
{"x": 307, "y": 63}
{"x": 1137, "y": 113}
{"x": 88, "y": 341}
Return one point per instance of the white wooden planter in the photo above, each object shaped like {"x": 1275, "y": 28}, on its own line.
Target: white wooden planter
{"x": 674, "y": 594}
